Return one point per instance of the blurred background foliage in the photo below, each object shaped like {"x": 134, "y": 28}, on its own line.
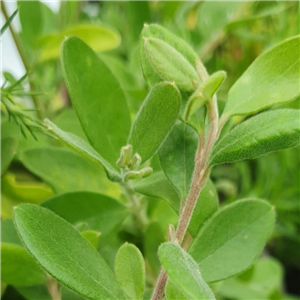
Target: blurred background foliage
{"x": 228, "y": 36}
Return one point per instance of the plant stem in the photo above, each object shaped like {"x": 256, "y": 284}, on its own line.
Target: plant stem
{"x": 53, "y": 288}
{"x": 200, "y": 176}
{"x": 23, "y": 58}
{"x": 135, "y": 204}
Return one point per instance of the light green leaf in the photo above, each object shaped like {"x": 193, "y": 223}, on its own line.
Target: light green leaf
{"x": 97, "y": 98}
{"x": 177, "y": 157}
{"x": 155, "y": 120}
{"x": 204, "y": 93}
{"x": 272, "y": 78}
{"x": 18, "y": 268}
{"x": 267, "y": 132}
{"x": 184, "y": 272}
{"x": 84, "y": 149}
{"x": 31, "y": 20}
{"x": 258, "y": 282}
{"x": 157, "y": 31}
{"x": 130, "y": 271}
{"x": 101, "y": 213}
{"x": 54, "y": 166}
{"x": 173, "y": 293}
{"x": 9, "y": 234}
{"x": 64, "y": 254}
{"x": 230, "y": 240}
{"x": 92, "y": 237}
{"x": 99, "y": 38}
{"x": 171, "y": 65}
{"x": 157, "y": 186}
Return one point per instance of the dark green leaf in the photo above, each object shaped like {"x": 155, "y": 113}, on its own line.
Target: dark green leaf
{"x": 267, "y": 132}
{"x": 184, "y": 272}
{"x": 177, "y": 157}
{"x": 230, "y": 241}
{"x": 64, "y": 254}
{"x": 9, "y": 20}
{"x": 97, "y": 98}
{"x": 155, "y": 120}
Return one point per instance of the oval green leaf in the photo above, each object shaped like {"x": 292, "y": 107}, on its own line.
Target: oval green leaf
{"x": 159, "y": 32}
{"x": 155, "y": 119}
{"x": 99, "y": 38}
{"x": 231, "y": 240}
{"x": 171, "y": 65}
{"x": 97, "y": 97}
{"x": 64, "y": 254}
{"x": 272, "y": 78}
{"x": 130, "y": 271}
{"x": 267, "y": 132}
{"x": 184, "y": 272}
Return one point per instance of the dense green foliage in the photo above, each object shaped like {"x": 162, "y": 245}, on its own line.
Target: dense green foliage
{"x": 140, "y": 152}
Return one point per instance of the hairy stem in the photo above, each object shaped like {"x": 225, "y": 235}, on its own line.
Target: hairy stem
{"x": 23, "y": 58}
{"x": 200, "y": 176}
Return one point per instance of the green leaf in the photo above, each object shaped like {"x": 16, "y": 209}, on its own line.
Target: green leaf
{"x": 101, "y": 213}
{"x": 155, "y": 119}
{"x": 177, "y": 157}
{"x": 258, "y": 282}
{"x": 54, "y": 166}
{"x": 64, "y": 254}
{"x": 31, "y": 20}
{"x": 267, "y": 132}
{"x": 92, "y": 237}
{"x": 7, "y": 23}
{"x": 84, "y": 149}
{"x": 173, "y": 293}
{"x": 153, "y": 237}
{"x": 232, "y": 238}
{"x": 184, "y": 272}
{"x": 9, "y": 234}
{"x": 18, "y": 268}
{"x": 130, "y": 271}
{"x": 157, "y": 186}
{"x": 99, "y": 38}
{"x": 157, "y": 31}
{"x": 272, "y": 78}
{"x": 9, "y": 143}
{"x": 97, "y": 98}
{"x": 171, "y": 65}
{"x": 204, "y": 93}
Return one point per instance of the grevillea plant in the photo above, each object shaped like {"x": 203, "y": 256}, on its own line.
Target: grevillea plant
{"x": 179, "y": 123}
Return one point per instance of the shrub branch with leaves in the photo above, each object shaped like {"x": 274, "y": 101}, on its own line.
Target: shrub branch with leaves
{"x": 179, "y": 120}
